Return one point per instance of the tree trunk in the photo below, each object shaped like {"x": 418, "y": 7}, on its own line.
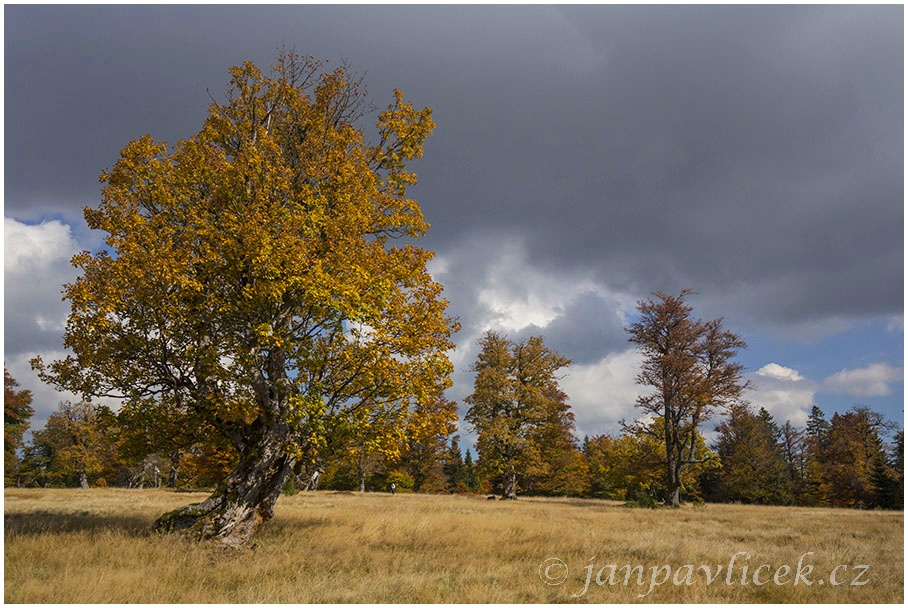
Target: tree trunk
{"x": 312, "y": 484}
{"x": 673, "y": 487}
{"x": 672, "y": 459}
{"x": 510, "y": 485}
{"x": 243, "y": 501}
{"x": 174, "y": 470}
{"x": 674, "y": 495}
{"x": 675, "y": 465}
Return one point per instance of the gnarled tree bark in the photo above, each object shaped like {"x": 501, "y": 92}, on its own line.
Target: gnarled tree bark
{"x": 510, "y": 485}
{"x": 243, "y": 501}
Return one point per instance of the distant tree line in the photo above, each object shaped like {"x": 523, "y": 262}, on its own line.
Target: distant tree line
{"x": 843, "y": 462}
{"x": 526, "y": 439}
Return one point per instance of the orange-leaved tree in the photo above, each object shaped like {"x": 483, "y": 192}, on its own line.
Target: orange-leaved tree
{"x": 690, "y": 366}
{"x": 263, "y": 274}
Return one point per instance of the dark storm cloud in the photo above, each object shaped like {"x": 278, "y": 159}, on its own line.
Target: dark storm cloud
{"x": 83, "y": 81}
{"x": 722, "y": 149}
{"x": 587, "y": 328}
{"x": 752, "y": 153}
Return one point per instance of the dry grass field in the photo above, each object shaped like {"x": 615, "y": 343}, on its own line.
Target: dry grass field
{"x": 75, "y": 546}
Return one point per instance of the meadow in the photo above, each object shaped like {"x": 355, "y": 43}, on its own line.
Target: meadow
{"x": 93, "y": 546}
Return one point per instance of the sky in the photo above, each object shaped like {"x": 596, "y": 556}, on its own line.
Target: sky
{"x": 584, "y": 158}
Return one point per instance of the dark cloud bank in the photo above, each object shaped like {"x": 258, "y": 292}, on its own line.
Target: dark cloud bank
{"x": 752, "y": 153}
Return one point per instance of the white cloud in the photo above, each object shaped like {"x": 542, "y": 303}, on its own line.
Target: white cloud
{"x": 872, "y": 381}
{"x": 36, "y": 265}
{"x": 45, "y": 398}
{"x": 493, "y": 285}
{"x": 516, "y": 294}
{"x": 603, "y": 393}
{"x": 438, "y": 267}
{"x": 35, "y": 248}
{"x": 783, "y": 391}
{"x": 779, "y": 372}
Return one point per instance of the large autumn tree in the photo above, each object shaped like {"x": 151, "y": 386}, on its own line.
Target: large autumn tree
{"x": 515, "y": 398}
{"x": 262, "y": 273}
{"x": 689, "y": 365}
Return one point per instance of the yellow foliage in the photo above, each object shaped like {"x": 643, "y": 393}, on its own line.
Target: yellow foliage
{"x": 252, "y": 268}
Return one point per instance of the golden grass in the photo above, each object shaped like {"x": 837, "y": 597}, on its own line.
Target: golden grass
{"x": 92, "y": 546}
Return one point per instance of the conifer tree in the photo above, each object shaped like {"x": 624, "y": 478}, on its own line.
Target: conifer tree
{"x": 753, "y": 464}
{"x": 815, "y": 441}
{"x": 471, "y": 479}
{"x": 884, "y": 482}
{"x": 853, "y": 446}
{"x": 454, "y": 466}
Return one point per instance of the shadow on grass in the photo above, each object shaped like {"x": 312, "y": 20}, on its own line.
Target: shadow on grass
{"x": 49, "y": 522}
{"x": 587, "y": 503}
